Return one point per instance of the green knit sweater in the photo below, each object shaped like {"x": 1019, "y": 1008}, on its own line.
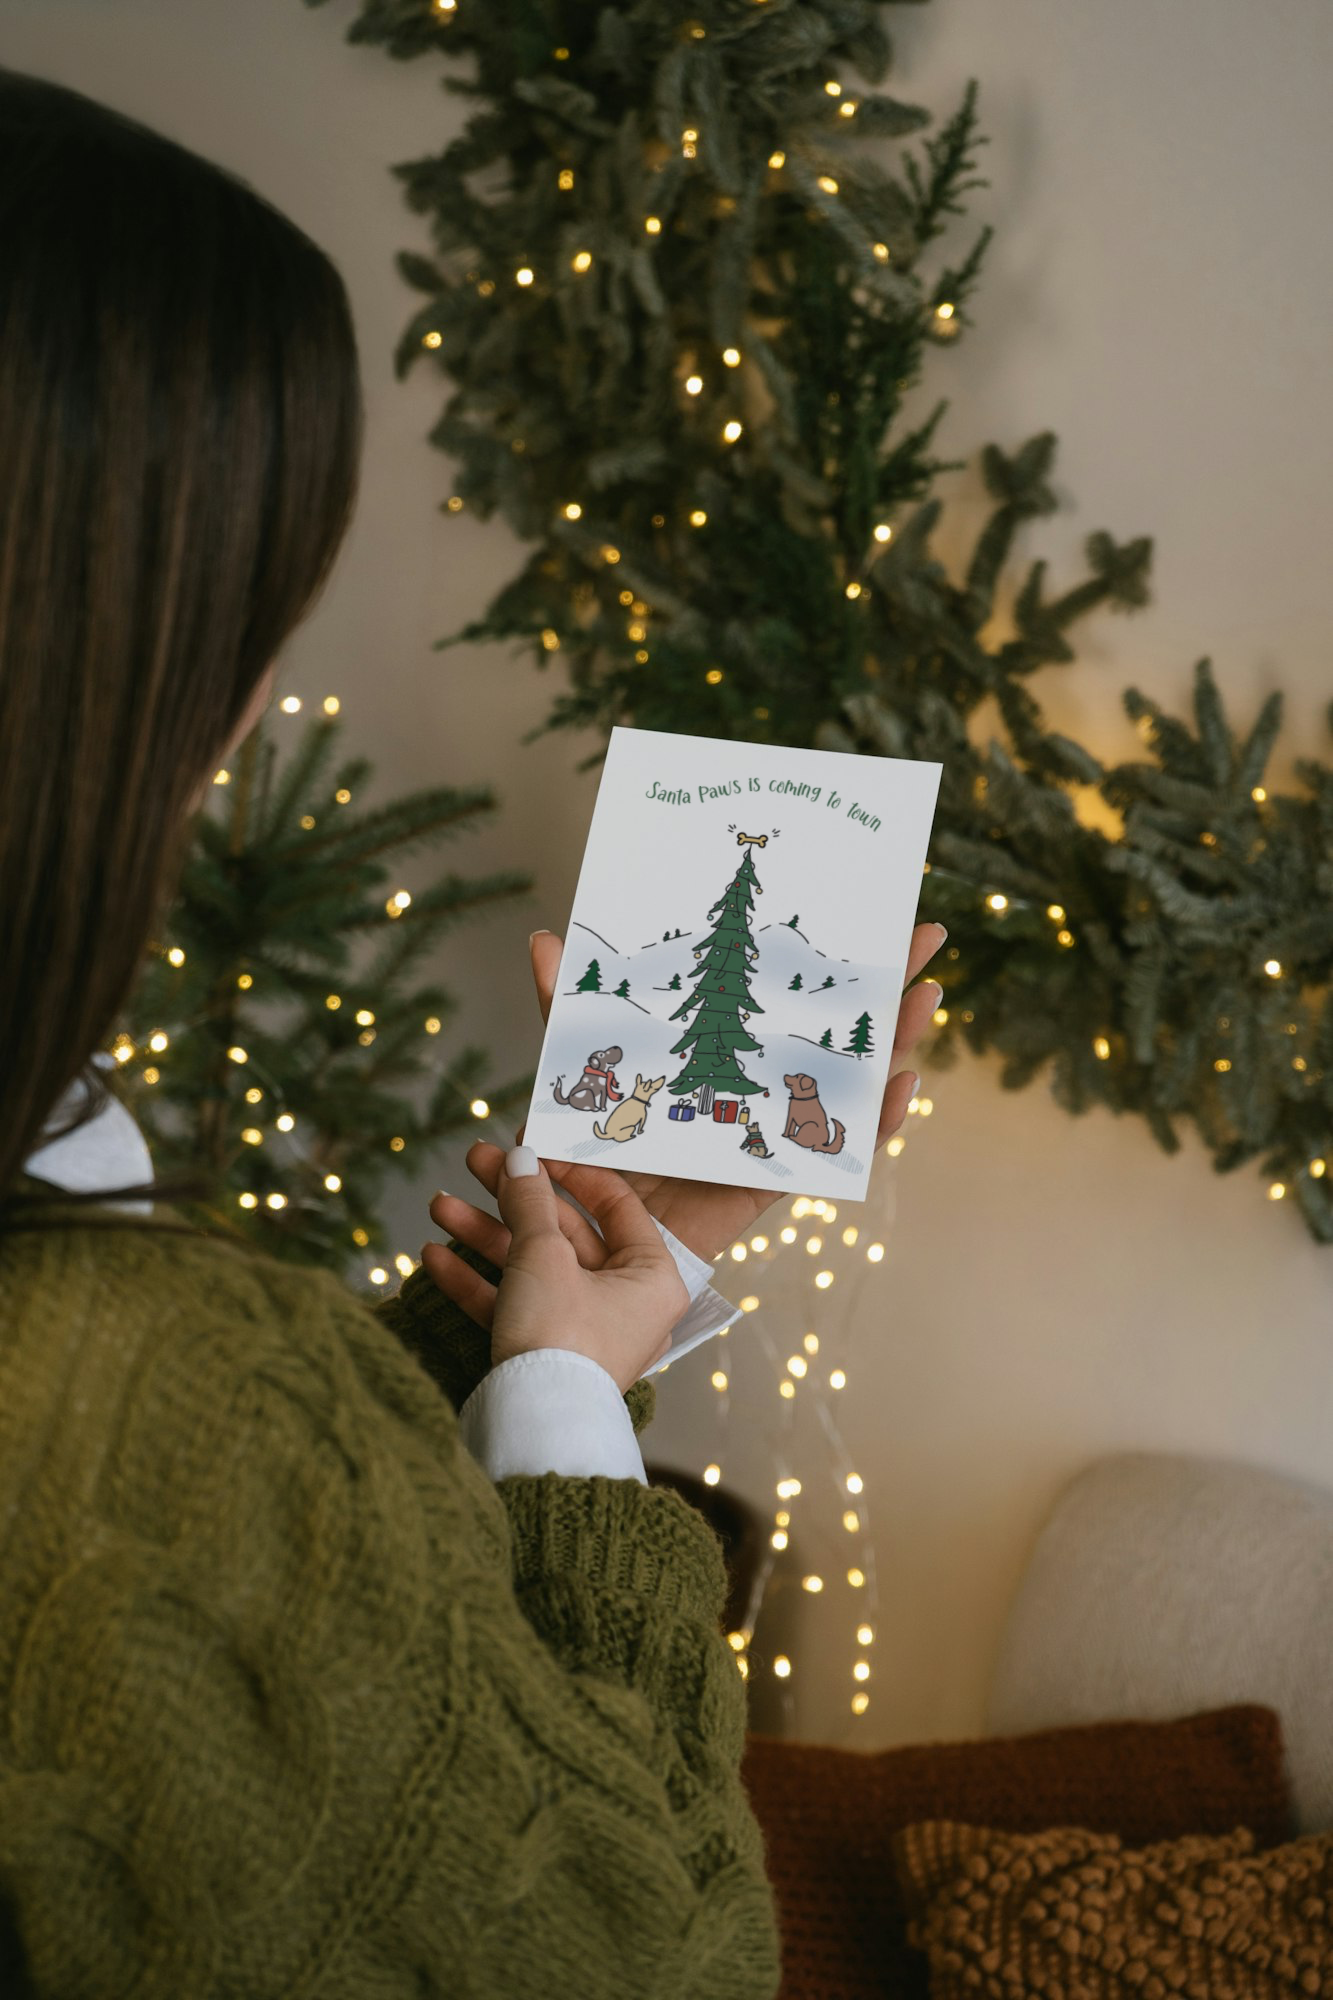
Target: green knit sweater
{"x": 297, "y": 1701}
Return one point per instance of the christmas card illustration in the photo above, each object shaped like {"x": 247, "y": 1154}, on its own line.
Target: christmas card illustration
{"x": 734, "y": 963}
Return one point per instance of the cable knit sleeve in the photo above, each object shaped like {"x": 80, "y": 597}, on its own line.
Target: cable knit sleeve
{"x": 298, "y": 1700}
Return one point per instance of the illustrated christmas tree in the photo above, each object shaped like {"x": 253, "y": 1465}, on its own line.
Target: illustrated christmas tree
{"x": 795, "y": 986}
{"x": 277, "y": 1043}
{"x": 721, "y": 996}
{"x": 673, "y": 984}
{"x": 622, "y": 991}
{"x": 591, "y": 981}
{"x": 826, "y": 1039}
{"x": 860, "y": 1043}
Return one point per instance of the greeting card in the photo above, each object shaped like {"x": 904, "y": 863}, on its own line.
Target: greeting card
{"x": 734, "y": 963}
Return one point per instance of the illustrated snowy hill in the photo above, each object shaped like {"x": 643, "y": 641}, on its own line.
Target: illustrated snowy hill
{"x": 637, "y": 1020}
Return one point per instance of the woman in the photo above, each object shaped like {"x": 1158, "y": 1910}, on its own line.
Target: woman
{"x": 299, "y": 1695}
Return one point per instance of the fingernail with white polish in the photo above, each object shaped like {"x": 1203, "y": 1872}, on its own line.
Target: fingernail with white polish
{"x": 943, "y": 933}
{"x": 533, "y": 934}
{"x": 520, "y": 1161}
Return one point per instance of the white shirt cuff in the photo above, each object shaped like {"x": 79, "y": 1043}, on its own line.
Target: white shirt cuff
{"x": 563, "y": 1411}
{"x": 551, "y": 1410}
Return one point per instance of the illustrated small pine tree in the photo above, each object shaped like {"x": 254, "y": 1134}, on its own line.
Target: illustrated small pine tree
{"x": 264, "y": 951}
{"x": 826, "y": 1039}
{"x": 591, "y": 981}
{"x": 721, "y": 992}
{"x": 793, "y": 921}
{"x": 673, "y": 984}
{"x": 622, "y": 991}
{"x": 795, "y": 986}
{"x": 828, "y": 982}
{"x": 860, "y": 1043}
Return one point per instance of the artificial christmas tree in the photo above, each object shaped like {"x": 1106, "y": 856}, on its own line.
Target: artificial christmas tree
{"x": 261, "y": 1047}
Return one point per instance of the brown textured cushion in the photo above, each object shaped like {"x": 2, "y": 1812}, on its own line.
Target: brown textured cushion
{"x": 1079, "y": 1916}
{"x": 828, "y": 1817}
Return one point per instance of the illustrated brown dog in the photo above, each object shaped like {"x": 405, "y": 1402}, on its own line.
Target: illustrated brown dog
{"x": 807, "y": 1120}
{"x": 597, "y": 1085}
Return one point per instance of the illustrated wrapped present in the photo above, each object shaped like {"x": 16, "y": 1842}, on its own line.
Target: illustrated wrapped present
{"x": 683, "y": 1112}
{"x": 725, "y": 1109}
{"x": 744, "y": 1118}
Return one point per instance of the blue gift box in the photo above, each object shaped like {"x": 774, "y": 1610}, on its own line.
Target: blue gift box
{"x": 684, "y": 1112}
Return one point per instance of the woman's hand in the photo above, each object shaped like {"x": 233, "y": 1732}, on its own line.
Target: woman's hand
{"x": 701, "y": 1214}
{"x": 619, "y": 1312}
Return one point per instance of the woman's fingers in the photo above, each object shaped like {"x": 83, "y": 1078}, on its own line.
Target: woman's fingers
{"x": 470, "y": 1225}
{"x": 459, "y": 1282}
{"x": 484, "y": 1162}
{"x": 546, "y": 948}
{"x": 927, "y": 939}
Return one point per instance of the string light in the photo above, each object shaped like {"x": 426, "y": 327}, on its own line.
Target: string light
{"x": 572, "y": 510}
{"x": 582, "y": 260}
{"x": 944, "y": 312}
{"x": 176, "y": 956}
{"x": 238, "y": 1055}
{"x": 332, "y": 705}
{"x": 524, "y": 274}
{"x": 433, "y": 1024}
{"x": 653, "y": 224}
{"x": 732, "y": 356}
{"x": 713, "y": 676}
{"x": 731, "y": 431}
{"x": 883, "y": 531}
{"x": 776, "y": 160}
{"x": 275, "y": 1201}
{"x": 698, "y": 518}
{"x": 248, "y": 1200}
{"x": 333, "y": 1182}
{"x": 1273, "y": 969}
{"x": 881, "y": 252}
{"x": 343, "y": 796}
{"x": 364, "y": 1017}
{"x": 827, "y": 182}
{"x": 479, "y": 1108}
{"x": 693, "y": 385}
{"x": 222, "y": 777}
{"x": 286, "y": 1122}
{"x": 290, "y": 704}
{"x": 252, "y": 1136}
{"x": 853, "y": 590}
{"x": 565, "y": 178}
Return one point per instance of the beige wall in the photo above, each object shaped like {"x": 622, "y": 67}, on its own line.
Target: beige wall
{"x": 1159, "y": 294}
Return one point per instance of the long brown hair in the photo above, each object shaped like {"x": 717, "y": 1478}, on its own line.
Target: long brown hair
{"x": 180, "y": 440}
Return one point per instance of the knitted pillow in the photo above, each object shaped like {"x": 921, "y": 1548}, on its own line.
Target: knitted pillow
{"x": 828, "y": 1815}
{"x": 1074, "y": 1915}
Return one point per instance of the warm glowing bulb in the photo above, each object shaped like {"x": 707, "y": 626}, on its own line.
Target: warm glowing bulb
{"x": 787, "y": 1235}
{"x": 812, "y": 1583}
{"x": 782, "y": 1666}
{"x": 875, "y": 1253}
{"x": 731, "y": 431}
{"x": 653, "y": 224}
{"x": 582, "y": 260}
{"x": 157, "y": 1041}
{"x": 433, "y": 1024}
{"x": 364, "y": 1017}
{"x": 833, "y": 89}
{"x": 851, "y": 1521}
{"x": 402, "y": 1263}
{"x": 823, "y": 1280}
{"x": 1101, "y": 1048}
{"x": 253, "y": 1136}
{"x": 248, "y": 1200}
{"x": 712, "y": 1473}
{"x": 524, "y": 274}
{"x": 853, "y": 590}
{"x": 572, "y": 510}
{"x": 1273, "y": 968}
{"x": 750, "y": 1303}
{"x": 713, "y": 676}
{"x": 718, "y": 1379}
{"x": 998, "y": 902}
{"x": 286, "y": 1123}
{"x": 222, "y": 777}
{"x": 732, "y": 356}
{"x": 854, "y": 1482}
{"x": 333, "y": 1182}
{"x": 176, "y": 956}
{"x": 565, "y": 179}
{"x": 777, "y": 159}
{"x": 276, "y": 1201}
{"x": 479, "y": 1108}
{"x": 880, "y": 252}
{"x": 944, "y": 312}
{"x": 856, "y": 1578}
{"x": 849, "y": 1235}
{"x": 379, "y": 1276}
{"x": 694, "y": 385}
{"x": 331, "y": 704}
{"x": 883, "y": 531}
{"x": 837, "y": 1380}
{"x": 238, "y": 1055}
{"x": 759, "y": 1243}
{"x": 698, "y": 518}
{"x": 811, "y": 1343}
{"x": 739, "y": 1253}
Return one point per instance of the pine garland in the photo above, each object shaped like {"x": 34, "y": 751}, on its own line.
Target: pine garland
{"x": 679, "y": 305}
{"x": 276, "y": 1041}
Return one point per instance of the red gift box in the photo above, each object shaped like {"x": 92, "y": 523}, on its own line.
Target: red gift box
{"x": 724, "y": 1110}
